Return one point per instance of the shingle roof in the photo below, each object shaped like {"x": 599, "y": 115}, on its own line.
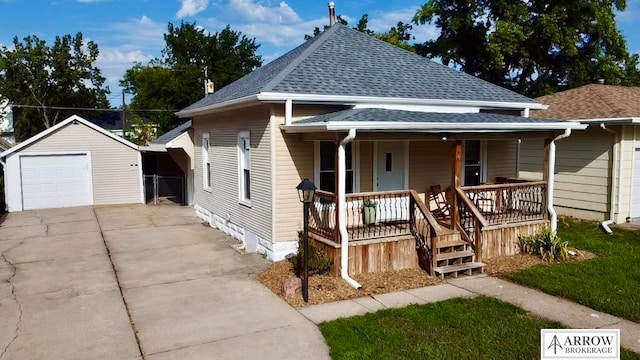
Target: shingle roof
{"x": 403, "y": 116}
{"x": 344, "y": 62}
{"x": 174, "y": 133}
{"x": 594, "y": 101}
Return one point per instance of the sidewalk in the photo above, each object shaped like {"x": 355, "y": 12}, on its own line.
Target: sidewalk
{"x": 547, "y": 306}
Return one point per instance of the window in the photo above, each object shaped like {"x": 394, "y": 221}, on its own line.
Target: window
{"x": 473, "y": 165}
{"x": 206, "y": 162}
{"x": 244, "y": 161}
{"x": 327, "y": 171}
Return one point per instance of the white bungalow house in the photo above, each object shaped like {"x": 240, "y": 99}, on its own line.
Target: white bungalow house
{"x": 373, "y": 126}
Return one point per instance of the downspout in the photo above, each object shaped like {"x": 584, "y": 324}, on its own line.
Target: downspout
{"x": 342, "y": 214}
{"x": 551, "y": 179}
{"x": 288, "y": 112}
{"x": 615, "y": 175}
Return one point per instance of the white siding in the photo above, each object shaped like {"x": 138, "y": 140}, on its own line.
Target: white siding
{"x": 115, "y": 167}
{"x": 223, "y": 199}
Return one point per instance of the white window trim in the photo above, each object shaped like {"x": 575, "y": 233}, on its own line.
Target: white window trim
{"x": 241, "y": 193}
{"x": 206, "y": 157}
{"x": 483, "y": 161}
{"x": 355, "y": 154}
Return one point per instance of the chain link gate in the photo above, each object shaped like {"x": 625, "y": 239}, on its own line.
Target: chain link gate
{"x": 163, "y": 189}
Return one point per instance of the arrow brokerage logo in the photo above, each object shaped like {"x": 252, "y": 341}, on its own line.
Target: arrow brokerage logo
{"x": 580, "y": 344}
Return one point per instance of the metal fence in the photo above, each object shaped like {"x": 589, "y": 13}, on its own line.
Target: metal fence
{"x": 164, "y": 189}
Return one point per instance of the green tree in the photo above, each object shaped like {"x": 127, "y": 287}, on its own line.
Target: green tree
{"x": 176, "y": 80}
{"x": 48, "y": 78}
{"x": 533, "y": 47}
{"x": 397, "y": 35}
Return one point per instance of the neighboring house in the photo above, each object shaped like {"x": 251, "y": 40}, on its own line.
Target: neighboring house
{"x": 598, "y": 170}
{"x": 170, "y": 159}
{"x": 360, "y": 116}
{"x": 6, "y": 124}
{"x": 73, "y": 163}
{"x": 5, "y": 144}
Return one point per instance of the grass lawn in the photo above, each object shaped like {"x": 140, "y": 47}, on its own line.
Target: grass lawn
{"x": 478, "y": 328}
{"x": 610, "y": 283}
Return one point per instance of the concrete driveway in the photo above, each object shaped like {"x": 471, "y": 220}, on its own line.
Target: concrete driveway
{"x": 132, "y": 282}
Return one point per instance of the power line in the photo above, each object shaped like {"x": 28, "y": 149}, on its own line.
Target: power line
{"x": 89, "y": 109}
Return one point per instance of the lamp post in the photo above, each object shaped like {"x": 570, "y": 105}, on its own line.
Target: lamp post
{"x": 306, "y": 192}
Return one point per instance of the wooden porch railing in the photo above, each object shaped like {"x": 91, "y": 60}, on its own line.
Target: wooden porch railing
{"x": 509, "y": 203}
{"x": 376, "y": 215}
{"x": 470, "y": 222}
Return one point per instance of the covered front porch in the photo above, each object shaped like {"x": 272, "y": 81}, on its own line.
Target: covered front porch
{"x": 377, "y": 197}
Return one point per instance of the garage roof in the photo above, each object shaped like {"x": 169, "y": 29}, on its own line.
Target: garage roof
{"x": 60, "y": 125}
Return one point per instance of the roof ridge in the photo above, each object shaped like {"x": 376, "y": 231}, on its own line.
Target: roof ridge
{"x": 596, "y": 91}
{"x": 317, "y": 41}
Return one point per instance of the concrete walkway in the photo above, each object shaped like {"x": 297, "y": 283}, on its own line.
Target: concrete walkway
{"x": 138, "y": 282}
{"x": 547, "y": 306}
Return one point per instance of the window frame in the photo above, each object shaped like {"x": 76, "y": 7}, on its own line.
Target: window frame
{"x": 207, "y": 180}
{"x": 244, "y": 166}
{"x": 354, "y": 165}
{"x": 482, "y": 162}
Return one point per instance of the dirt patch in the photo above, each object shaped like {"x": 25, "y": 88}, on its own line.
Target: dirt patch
{"x": 511, "y": 263}
{"x": 325, "y": 288}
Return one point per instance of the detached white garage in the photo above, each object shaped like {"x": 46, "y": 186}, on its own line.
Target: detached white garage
{"x": 74, "y": 163}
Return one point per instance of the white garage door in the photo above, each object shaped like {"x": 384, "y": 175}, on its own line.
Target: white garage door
{"x": 635, "y": 190}
{"x": 52, "y": 181}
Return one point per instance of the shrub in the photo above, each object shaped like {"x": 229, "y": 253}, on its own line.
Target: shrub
{"x": 545, "y": 244}
{"x": 319, "y": 263}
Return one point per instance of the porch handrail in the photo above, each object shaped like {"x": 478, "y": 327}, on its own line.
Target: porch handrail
{"x": 503, "y": 186}
{"x": 510, "y": 203}
{"x": 421, "y": 217}
{"x": 470, "y": 223}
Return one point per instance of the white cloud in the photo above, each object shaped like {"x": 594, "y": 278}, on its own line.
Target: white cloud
{"x": 254, "y": 11}
{"x": 191, "y": 7}
{"x": 113, "y": 63}
{"x": 89, "y": 1}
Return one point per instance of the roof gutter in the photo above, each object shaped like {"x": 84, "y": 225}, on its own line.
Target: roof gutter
{"x": 342, "y": 210}
{"x": 354, "y": 100}
{"x": 430, "y": 126}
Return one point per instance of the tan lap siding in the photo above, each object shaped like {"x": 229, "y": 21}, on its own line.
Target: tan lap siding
{"x": 429, "y": 164}
{"x": 115, "y": 181}
{"x": 582, "y": 180}
{"x": 366, "y": 166}
{"x": 501, "y": 158}
{"x": 294, "y": 162}
{"x": 531, "y": 159}
{"x": 223, "y": 199}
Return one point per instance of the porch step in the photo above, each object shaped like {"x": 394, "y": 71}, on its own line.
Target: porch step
{"x": 455, "y": 255}
{"x": 453, "y": 271}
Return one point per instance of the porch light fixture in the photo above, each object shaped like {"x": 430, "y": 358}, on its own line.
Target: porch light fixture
{"x": 306, "y": 192}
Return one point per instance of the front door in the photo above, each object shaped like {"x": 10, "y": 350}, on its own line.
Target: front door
{"x": 390, "y": 174}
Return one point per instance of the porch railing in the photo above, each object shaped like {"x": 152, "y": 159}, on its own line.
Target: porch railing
{"x": 470, "y": 222}
{"x": 509, "y": 203}
{"x": 376, "y": 215}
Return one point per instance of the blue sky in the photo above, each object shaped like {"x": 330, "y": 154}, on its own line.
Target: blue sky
{"x": 129, "y": 31}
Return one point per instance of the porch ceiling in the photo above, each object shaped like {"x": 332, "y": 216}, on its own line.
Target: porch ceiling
{"x": 373, "y": 119}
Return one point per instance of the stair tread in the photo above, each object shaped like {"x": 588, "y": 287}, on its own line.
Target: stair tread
{"x": 451, "y": 243}
{"x": 459, "y": 267}
{"x": 454, "y": 255}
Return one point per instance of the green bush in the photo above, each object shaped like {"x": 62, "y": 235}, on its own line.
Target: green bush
{"x": 545, "y": 244}
{"x": 319, "y": 263}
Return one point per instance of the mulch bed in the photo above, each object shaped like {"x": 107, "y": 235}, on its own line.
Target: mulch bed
{"x": 325, "y": 288}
